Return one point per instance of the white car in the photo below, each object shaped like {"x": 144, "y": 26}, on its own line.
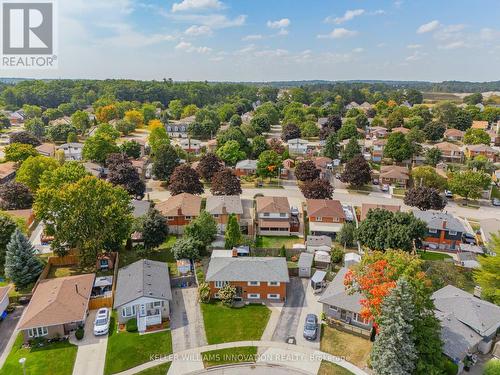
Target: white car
{"x": 448, "y": 194}
{"x": 101, "y": 322}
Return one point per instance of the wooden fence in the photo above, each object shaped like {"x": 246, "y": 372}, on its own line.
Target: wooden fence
{"x": 364, "y": 333}
{"x": 100, "y": 302}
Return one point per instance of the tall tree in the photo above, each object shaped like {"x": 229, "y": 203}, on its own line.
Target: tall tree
{"x": 425, "y": 198}
{"x": 331, "y": 149}
{"x": 81, "y": 121}
{"x": 434, "y": 130}
{"x": 488, "y": 275}
{"x": 469, "y": 184}
{"x": 233, "y": 236}
{"x": 290, "y": 131}
{"x": 427, "y": 176}
{"x": 306, "y": 171}
{"x": 356, "y": 172}
{"x": 202, "y": 229}
{"x": 154, "y": 229}
{"x": 186, "y": 248}
{"x": 317, "y": 189}
{"x": 184, "y": 179}
{"x": 7, "y": 228}
{"x": 225, "y": 182}
{"x": 158, "y": 137}
{"x": 433, "y": 156}
{"x": 476, "y": 137}
{"x": 231, "y": 152}
{"x": 15, "y": 196}
{"x": 346, "y": 235}
{"x": 123, "y": 173}
{"x": 351, "y": 150}
{"x": 36, "y": 128}
{"x": 131, "y": 148}
{"x": 398, "y": 148}
{"x": 21, "y": 264}
{"x": 259, "y": 145}
{"x": 25, "y": 137}
{"x": 165, "y": 160}
{"x": 394, "y": 351}
{"x": 19, "y": 152}
{"x": 268, "y": 164}
{"x": 208, "y": 166}
{"x": 98, "y": 147}
{"x": 32, "y": 170}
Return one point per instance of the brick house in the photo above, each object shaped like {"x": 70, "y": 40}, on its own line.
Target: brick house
{"x": 394, "y": 175}
{"x": 366, "y": 207}
{"x": 245, "y": 167}
{"x": 490, "y": 153}
{"x": 180, "y": 210}
{"x": 255, "y": 278}
{"x": 274, "y": 217}
{"x": 326, "y": 216}
{"x": 377, "y": 149}
{"x": 58, "y": 306}
{"x": 221, "y": 206}
{"x": 454, "y": 135}
{"x": 444, "y": 231}
{"x": 450, "y": 152}
{"x": 377, "y": 132}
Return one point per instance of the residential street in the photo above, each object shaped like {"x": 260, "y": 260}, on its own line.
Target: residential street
{"x": 186, "y": 324}
{"x": 7, "y": 328}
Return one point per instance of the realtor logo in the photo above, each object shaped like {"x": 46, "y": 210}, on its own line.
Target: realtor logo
{"x": 28, "y": 34}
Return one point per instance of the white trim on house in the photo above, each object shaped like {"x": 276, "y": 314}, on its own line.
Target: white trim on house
{"x": 273, "y": 283}
{"x": 253, "y": 283}
{"x": 273, "y": 296}
{"x": 38, "y": 332}
{"x": 253, "y": 296}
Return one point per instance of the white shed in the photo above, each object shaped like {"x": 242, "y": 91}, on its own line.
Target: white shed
{"x": 351, "y": 259}
{"x": 305, "y": 264}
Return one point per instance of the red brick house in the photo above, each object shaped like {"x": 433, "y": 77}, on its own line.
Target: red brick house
{"x": 326, "y": 216}
{"x": 180, "y": 210}
{"x": 394, "y": 175}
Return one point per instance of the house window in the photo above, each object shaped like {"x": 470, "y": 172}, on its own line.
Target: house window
{"x": 253, "y": 283}
{"x": 187, "y": 217}
{"x": 253, "y": 296}
{"x": 157, "y": 303}
{"x": 170, "y": 218}
{"x": 452, "y": 233}
{"x": 38, "y": 332}
{"x": 273, "y": 296}
{"x": 220, "y": 284}
{"x": 334, "y": 308}
{"x": 282, "y": 214}
{"x": 266, "y": 213}
{"x": 319, "y": 218}
{"x": 128, "y": 311}
{"x": 273, "y": 283}
{"x": 215, "y": 215}
{"x": 434, "y": 231}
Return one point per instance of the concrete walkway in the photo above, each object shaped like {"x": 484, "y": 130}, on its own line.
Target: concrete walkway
{"x": 272, "y": 323}
{"x": 91, "y": 355}
{"x": 293, "y": 356}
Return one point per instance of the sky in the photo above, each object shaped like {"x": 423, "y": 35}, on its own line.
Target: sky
{"x": 274, "y": 40}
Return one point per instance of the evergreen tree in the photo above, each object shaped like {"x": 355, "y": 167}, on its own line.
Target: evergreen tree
{"x": 351, "y": 150}
{"x": 394, "y": 351}
{"x": 233, "y": 235}
{"x": 154, "y": 229}
{"x": 21, "y": 264}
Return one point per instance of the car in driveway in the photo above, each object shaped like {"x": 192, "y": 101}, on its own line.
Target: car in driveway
{"x": 448, "y": 194}
{"x": 101, "y": 322}
{"x": 495, "y": 202}
{"x": 311, "y": 327}
{"x": 469, "y": 238}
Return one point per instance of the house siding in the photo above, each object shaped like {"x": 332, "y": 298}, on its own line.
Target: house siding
{"x": 327, "y": 219}
{"x": 53, "y": 331}
{"x": 349, "y": 314}
{"x": 165, "y": 309}
{"x": 444, "y": 239}
{"x": 263, "y": 289}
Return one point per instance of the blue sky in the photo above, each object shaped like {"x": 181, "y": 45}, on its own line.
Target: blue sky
{"x": 262, "y": 40}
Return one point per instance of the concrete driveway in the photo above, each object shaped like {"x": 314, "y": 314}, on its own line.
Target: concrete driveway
{"x": 310, "y": 306}
{"x": 7, "y": 328}
{"x": 291, "y": 311}
{"x": 186, "y": 323}
{"x": 91, "y": 353}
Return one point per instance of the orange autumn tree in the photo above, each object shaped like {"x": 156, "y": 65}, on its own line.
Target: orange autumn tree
{"x": 377, "y": 274}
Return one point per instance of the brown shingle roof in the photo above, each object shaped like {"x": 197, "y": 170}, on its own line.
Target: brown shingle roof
{"x": 400, "y": 129}
{"x": 188, "y": 204}
{"x": 46, "y": 148}
{"x": 58, "y": 301}
{"x": 394, "y": 171}
{"x": 453, "y": 133}
{"x": 365, "y": 207}
{"x": 273, "y": 204}
{"x": 324, "y": 208}
{"x": 447, "y": 146}
{"x": 480, "y": 125}
{"x": 6, "y": 169}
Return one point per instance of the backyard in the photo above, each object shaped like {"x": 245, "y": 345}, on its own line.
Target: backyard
{"x": 231, "y": 355}
{"x": 353, "y": 348}
{"x": 129, "y": 349}
{"x": 226, "y": 324}
{"x": 429, "y": 255}
{"x": 276, "y": 242}
{"x": 51, "y": 359}
{"x": 161, "y": 254}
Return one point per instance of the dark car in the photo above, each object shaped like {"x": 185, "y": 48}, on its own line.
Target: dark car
{"x": 311, "y": 327}
{"x": 469, "y": 238}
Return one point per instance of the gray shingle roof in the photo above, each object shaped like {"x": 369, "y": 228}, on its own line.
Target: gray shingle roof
{"x": 482, "y": 316}
{"x": 336, "y": 294}
{"x": 435, "y": 220}
{"x": 246, "y": 164}
{"x": 232, "y": 204}
{"x": 248, "y": 269}
{"x": 144, "y": 278}
{"x": 140, "y": 208}
{"x": 305, "y": 260}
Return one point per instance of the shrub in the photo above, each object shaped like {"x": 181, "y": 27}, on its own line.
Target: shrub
{"x": 450, "y": 368}
{"x": 79, "y": 333}
{"x": 131, "y": 325}
{"x": 204, "y": 292}
{"x": 492, "y": 367}
{"x": 227, "y": 294}
{"x": 337, "y": 255}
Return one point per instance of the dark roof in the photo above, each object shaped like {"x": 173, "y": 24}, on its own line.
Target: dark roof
{"x": 248, "y": 269}
{"x": 336, "y": 294}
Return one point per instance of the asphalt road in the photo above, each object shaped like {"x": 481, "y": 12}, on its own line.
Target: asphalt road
{"x": 8, "y": 326}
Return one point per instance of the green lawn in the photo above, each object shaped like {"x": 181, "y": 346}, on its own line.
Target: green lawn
{"x": 342, "y": 344}
{"x": 231, "y": 355}
{"x": 53, "y": 359}
{"x": 275, "y": 242}
{"x": 127, "y": 350}
{"x": 157, "y": 370}
{"x": 226, "y": 324}
{"x": 429, "y": 255}
{"x": 329, "y": 368}
{"x": 162, "y": 254}
{"x": 495, "y": 192}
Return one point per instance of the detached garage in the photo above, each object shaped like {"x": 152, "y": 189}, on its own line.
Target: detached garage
{"x": 305, "y": 264}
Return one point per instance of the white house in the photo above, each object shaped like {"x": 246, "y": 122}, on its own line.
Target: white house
{"x": 143, "y": 292}
{"x": 72, "y": 151}
{"x": 297, "y": 146}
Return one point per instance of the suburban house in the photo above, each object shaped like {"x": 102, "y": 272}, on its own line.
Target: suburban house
{"x": 377, "y": 149}
{"x": 326, "y": 216}
{"x": 245, "y": 167}
{"x": 190, "y": 145}
{"x": 143, "y": 292}
{"x": 490, "y": 153}
{"x": 46, "y": 149}
{"x": 400, "y": 129}
{"x": 274, "y": 217}
{"x": 467, "y": 260}
{"x": 444, "y": 231}
{"x": 179, "y": 128}
{"x": 4, "y": 300}
{"x": 454, "y": 135}
{"x": 489, "y": 228}
{"x": 58, "y": 307}
{"x": 366, "y": 207}
{"x": 221, "y": 206}
{"x": 7, "y": 171}
{"x": 351, "y": 105}
{"x": 72, "y": 151}
{"x": 15, "y": 118}
{"x": 450, "y": 152}
{"x": 324, "y": 164}
{"x": 377, "y": 132}
{"x": 344, "y": 307}
{"x": 180, "y": 210}
{"x": 468, "y": 324}
{"x": 297, "y": 146}
{"x": 394, "y": 175}
{"x": 255, "y": 278}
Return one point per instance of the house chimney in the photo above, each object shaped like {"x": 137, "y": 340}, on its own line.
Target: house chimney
{"x": 179, "y": 211}
{"x": 444, "y": 224}
{"x": 477, "y": 291}
{"x": 224, "y": 210}
{"x": 234, "y": 253}
{"x": 76, "y": 288}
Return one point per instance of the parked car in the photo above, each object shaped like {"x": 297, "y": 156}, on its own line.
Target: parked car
{"x": 375, "y": 182}
{"x": 448, "y": 194}
{"x": 347, "y": 212}
{"x": 311, "y": 327}
{"x": 385, "y": 187}
{"x": 495, "y": 202}
{"x": 469, "y": 238}
{"x": 101, "y": 322}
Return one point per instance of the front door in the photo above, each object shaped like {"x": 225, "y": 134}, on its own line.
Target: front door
{"x": 142, "y": 310}
{"x": 239, "y": 291}
{"x": 343, "y": 315}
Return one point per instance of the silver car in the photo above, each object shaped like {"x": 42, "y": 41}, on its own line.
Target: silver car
{"x": 311, "y": 327}
{"x": 101, "y": 322}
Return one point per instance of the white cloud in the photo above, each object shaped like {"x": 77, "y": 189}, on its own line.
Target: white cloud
{"x": 348, "y": 16}
{"x": 271, "y": 53}
{"x": 417, "y": 55}
{"x": 189, "y": 47}
{"x": 338, "y": 33}
{"x": 489, "y": 34}
{"x": 279, "y": 24}
{"x": 378, "y": 12}
{"x": 214, "y": 21}
{"x": 126, "y": 36}
{"x": 454, "y": 45}
{"x": 428, "y": 27}
{"x": 252, "y": 37}
{"x": 196, "y": 5}
{"x": 414, "y": 46}
{"x": 358, "y": 50}
{"x": 196, "y": 30}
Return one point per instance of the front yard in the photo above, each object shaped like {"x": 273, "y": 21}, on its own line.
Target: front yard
{"x": 226, "y": 324}
{"x": 276, "y": 242}
{"x": 231, "y": 355}
{"x": 157, "y": 370}
{"x": 329, "y": 368}
{"x": 342, "y": 344}
{"x": 51, "y": 359}
{"x": 129, "y": 349}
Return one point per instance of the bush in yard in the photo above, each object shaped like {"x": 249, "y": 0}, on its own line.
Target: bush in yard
{"x": 283, "y": 251}
{"x": 492, "y": 367}
{"x": 337, "y": 255}
{"x": 227, "y": 294}
{"x": 204, "y": 293}
{"x": 450, "y": 368}
{"x": 131, "y": 325}
{"x": 79, "y": 333}
{"x": 346, "y": 234}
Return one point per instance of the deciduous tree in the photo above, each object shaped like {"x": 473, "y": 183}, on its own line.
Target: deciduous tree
{"x": 154, "y": 229}
{"x": 184, "y": 179}
{"x": 98, "y": 147}
{"x": 165, "y": 160}
{"x": 225, "y": 182}
{"x": 15, "y": 196}
{"x": 208, "y": 166}
{"x": 317, "y": 189}
{"x": 231, "y": 152}
{"x": 488, "y": 275}
{"x": 202, "y": 229}
{"x": 19, "y": 152}
{"x": 7, "y": 228}
{"x": 427, "y": 176}
{"x": 351, "y": 150}
{"x": 425, "y": 198}
{"x": 186, "y": 248}
{"x": 268, "y": 164}
{"x": 433, "y": 156}
{"x": 469, "y": 184}
{"x": 397, "y": 147}
{"x": 476, "y": 137}
{"x": 290, "y": 131}
{"x": 131, "y": 148}
{"x": 123, "y": 173}
{"x": 306, "y": 171}
{"x": 32, "y": 169}
{"x": 356, "y": 172}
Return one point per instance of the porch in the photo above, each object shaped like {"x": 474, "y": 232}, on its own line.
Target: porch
{"x": 148, "y": 315}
